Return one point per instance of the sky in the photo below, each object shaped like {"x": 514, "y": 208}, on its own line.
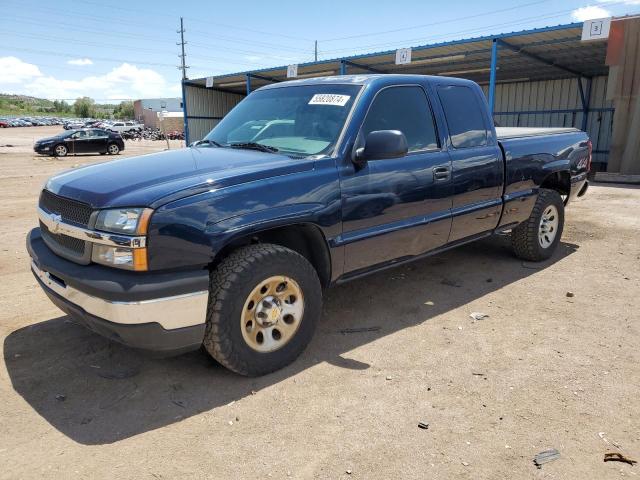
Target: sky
{"x": 113, "y": 51}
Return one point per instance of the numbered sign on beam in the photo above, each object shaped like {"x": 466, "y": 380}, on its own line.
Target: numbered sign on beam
{"x": 403, "y": 56}
{"x": 597, "y": 29}
{"x": 209, "y": 82}
{"x": 292, "y": 71}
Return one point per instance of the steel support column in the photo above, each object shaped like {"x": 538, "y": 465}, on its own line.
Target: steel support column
{"x": 248, "y": 83}
{"x": 184, "y": 113}
{"x": 492, "y": 76}
{"x": 585, "y": 98}
{"x": 343, "y": 67}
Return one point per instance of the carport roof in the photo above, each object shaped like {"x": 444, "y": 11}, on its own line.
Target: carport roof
{"x": 537, "y": 54}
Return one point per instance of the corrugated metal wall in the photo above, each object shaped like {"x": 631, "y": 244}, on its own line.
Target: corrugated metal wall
{"x": 556, "y": 103}
{"x": 549, "y": 103}
{"x": 205, "y": 108}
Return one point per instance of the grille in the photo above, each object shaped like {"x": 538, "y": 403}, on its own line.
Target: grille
{"x": 74, "y": 245}
{"x": 70, "y": 210}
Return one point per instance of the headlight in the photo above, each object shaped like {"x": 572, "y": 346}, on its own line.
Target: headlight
{"x": 126, "y": 221}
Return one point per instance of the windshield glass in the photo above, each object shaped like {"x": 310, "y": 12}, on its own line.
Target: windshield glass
{"x": 298, "y": 121}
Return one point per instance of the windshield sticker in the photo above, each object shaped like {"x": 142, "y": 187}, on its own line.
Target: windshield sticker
{"x": 329, "y": 99}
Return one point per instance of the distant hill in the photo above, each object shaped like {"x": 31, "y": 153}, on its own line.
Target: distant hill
{"x": 24, "y": 105}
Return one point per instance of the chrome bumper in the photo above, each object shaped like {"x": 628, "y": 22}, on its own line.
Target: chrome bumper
{"x": 170, "y": 312}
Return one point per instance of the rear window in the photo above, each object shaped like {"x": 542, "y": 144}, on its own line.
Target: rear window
{"x": 465, "y": 116}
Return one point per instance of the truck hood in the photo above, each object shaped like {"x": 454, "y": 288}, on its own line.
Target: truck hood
{"x": 151, "y": 180}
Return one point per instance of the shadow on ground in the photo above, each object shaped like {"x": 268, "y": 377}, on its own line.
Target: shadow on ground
{"x": 96, "y": 392}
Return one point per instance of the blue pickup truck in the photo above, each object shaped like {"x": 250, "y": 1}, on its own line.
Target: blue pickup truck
{"x": 229, "y": 243}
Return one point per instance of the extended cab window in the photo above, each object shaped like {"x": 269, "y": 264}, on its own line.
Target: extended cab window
{"x": 298, "y": 121}
{"x": 464, "y": 115}
{"x": 405, "y": 109}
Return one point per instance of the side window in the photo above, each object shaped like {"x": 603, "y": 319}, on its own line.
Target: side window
{"x": 405, "y": 109}
{"x": 464, "y": 115}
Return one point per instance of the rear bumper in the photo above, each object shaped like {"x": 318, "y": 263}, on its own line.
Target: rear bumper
{"x": 163, "y": 313}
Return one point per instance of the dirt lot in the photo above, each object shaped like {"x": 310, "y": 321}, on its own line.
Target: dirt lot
{"x": 543, "y": 371}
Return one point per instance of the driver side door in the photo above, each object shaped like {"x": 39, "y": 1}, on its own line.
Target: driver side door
{"x": 398, "y": 207}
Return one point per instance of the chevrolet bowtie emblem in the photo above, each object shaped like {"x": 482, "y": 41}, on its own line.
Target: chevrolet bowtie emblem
{"x": 55, "y": 220}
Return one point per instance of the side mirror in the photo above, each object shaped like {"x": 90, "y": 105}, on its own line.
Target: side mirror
{"x": 381, "y": 144}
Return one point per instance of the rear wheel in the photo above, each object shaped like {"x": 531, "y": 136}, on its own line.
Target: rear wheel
{"x": 264, "y": 303}
{"x": 113, "y": 149}
{"x": 60, "y": 150}
{"x": 537, "y": 238}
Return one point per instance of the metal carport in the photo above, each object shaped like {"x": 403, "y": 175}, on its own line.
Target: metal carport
{"x": 540, "y": 77}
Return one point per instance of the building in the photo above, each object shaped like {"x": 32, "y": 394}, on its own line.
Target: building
{"x": 579, "y": 74}
{"x": 146, "y": 110}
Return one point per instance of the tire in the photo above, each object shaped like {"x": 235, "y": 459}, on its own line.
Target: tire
{"x": 235, "y": 282}
{"x": 537, "y": 238}
{"x": 113, "y": 149}
{"x": 60, "y": 150}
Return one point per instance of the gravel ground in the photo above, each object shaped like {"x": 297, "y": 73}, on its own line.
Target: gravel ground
{"x": 555, "y": 365}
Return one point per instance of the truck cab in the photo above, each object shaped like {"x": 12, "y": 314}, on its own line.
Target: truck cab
{"x": 305, "y": 184}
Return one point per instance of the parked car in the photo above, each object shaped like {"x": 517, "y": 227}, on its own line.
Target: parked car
{"x": 88, "y": 140}
{"x": 121, "y": 127}
{"x": 4, "y": 123}
{"x": 230, "y": 243}
{"x": 73, "y": 125}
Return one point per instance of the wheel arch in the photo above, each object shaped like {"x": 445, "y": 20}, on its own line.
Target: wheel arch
{"x": 307, "y": 239}
{"x": 560, "y": 181}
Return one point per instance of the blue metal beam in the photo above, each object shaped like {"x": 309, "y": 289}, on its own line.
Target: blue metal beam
{"x": 343, "y": 67}
{"x": 586, "y": 98}
{"x": 248, "y": 76}
{"x": 492, "y": 75}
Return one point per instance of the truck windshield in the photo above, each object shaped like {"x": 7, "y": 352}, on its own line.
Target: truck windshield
{"x": 297, "y": 121}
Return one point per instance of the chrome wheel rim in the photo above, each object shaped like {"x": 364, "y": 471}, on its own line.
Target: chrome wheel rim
{"x": 113, "y": 149}
{"x": 61, "y": 150}
{"x": 548, "y": 226}
{"x": 272, "y": 314}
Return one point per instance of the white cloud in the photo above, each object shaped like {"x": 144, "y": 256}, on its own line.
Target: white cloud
{"x": 80, "y": 61}
{"x": 123, "y": 81}
{"x": 587, "y": 13}
{"x": 15, "y": 71}
{"x": 623, "y": 2}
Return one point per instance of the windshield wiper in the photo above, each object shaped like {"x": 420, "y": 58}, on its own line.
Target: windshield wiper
{"x": 206, "y": 141}
{"x": 254, "y": 146}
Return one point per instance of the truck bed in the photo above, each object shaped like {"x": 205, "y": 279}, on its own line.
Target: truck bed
{"x": 518, "y": 132}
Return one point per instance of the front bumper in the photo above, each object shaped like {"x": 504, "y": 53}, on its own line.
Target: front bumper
{"x": 42, "y": 149}
{"x": 159, "y": 312}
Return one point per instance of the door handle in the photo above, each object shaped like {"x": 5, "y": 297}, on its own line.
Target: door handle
{"x": 441, "y": 174}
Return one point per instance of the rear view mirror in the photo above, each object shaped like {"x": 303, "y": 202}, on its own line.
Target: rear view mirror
{"x": 381, "y": 144}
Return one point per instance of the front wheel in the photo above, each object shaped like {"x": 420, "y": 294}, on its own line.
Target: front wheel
{"x": 113, "y": 149}
{"x": 264, "y": 303}
{"x": 537, "y": 238}
{"x": 60, "y": 150}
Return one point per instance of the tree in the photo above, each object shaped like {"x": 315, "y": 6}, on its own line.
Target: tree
{"x": 61, "y": 106}
{"x": 84, "y": 107}
{"x": 124, "y": 110}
